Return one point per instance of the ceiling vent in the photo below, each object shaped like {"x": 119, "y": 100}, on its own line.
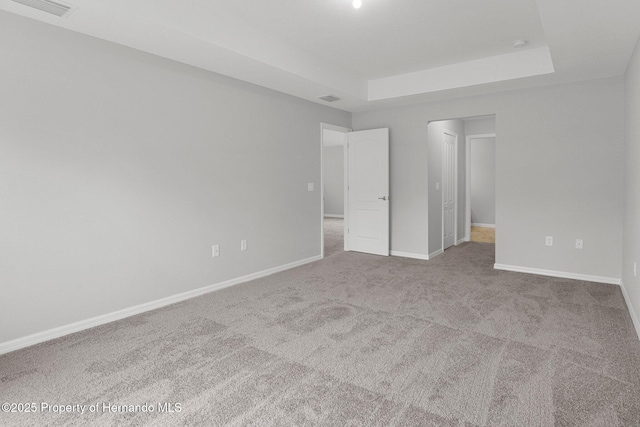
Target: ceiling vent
{"x": 329, "y": 98}
{"x": 53, "y": 7}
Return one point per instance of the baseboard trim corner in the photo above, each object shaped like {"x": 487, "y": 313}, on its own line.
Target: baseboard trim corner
{"x": 632, "y": 311}
{"x": 71, "y": 328}
{"x": 561, "y": 274}
{"x": 409, "y": 255}
{"x": 435, "y": 253}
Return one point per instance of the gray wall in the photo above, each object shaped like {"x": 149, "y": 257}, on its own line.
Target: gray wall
{"x": 435, "y": 135}
{"x": 483, "y": 180}
{"x": 480, "y": 125}
{"x": 120, "y": 169}
{"x": 333, "y": 165}
{"x": 558, "y": 157}
{"x": 631, "y": 248}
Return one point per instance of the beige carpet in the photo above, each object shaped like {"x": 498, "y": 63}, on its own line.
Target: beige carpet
{"x": 353, "y": 340}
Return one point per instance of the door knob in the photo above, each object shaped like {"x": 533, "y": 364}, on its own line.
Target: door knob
{"x": 382, "y": 198}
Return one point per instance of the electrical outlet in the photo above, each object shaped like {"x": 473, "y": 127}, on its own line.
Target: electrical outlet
{"x": 578, "y": 243}
{"x": 549, "y": 241}
{"x": 243, "y": 245}
{"x": 215, "y": 251}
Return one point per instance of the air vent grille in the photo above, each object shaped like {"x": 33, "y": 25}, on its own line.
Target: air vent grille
{"x": 329, "y": 98}
{"x": 53, "y": 7}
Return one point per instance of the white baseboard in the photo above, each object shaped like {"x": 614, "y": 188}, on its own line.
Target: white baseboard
{"x": 479, "y": 224}
{"x": 409, "y": 255}
{"x": 435, "y": 253}
{"x": 632, "y": 311}
{"x": 460, "y": 241}
{"x": 333, "y": 216}
{"x": 50, "y": 334}
{"x": 553, "y": 273}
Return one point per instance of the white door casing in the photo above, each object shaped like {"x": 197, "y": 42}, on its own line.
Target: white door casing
{"x": 368, "y": 192}
{"x": 448, "y": 190}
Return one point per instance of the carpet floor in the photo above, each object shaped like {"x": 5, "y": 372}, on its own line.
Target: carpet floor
{"x": 352, "y": 340}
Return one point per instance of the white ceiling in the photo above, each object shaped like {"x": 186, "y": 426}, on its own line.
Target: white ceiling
{"x": 389, "y": 52}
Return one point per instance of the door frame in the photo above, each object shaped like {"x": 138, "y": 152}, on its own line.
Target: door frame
{"x": 323, "y": 127}
{"x": 467, "y": 224}
{"x": 455, "y": 187}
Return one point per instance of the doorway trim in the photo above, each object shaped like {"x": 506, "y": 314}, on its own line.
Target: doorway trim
{"x": 323, "y": 127}
{"x": 467, "y": 190}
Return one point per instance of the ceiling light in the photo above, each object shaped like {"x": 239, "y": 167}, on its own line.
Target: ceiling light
{"x": 519, "y": 43}
{"x": 54, "y": 7}
{"x": 357, "y": 4}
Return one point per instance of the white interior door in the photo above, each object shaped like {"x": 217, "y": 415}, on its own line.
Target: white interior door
{"x": 368, "y": 191}
{"x": 448, "y": 190}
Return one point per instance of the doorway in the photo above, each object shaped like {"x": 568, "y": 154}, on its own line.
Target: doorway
{"x": 365, "y": 187}
{"x": 449, "y": 191}
{"x": 333, "y": 187}
{"x": 480, "y": 187}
